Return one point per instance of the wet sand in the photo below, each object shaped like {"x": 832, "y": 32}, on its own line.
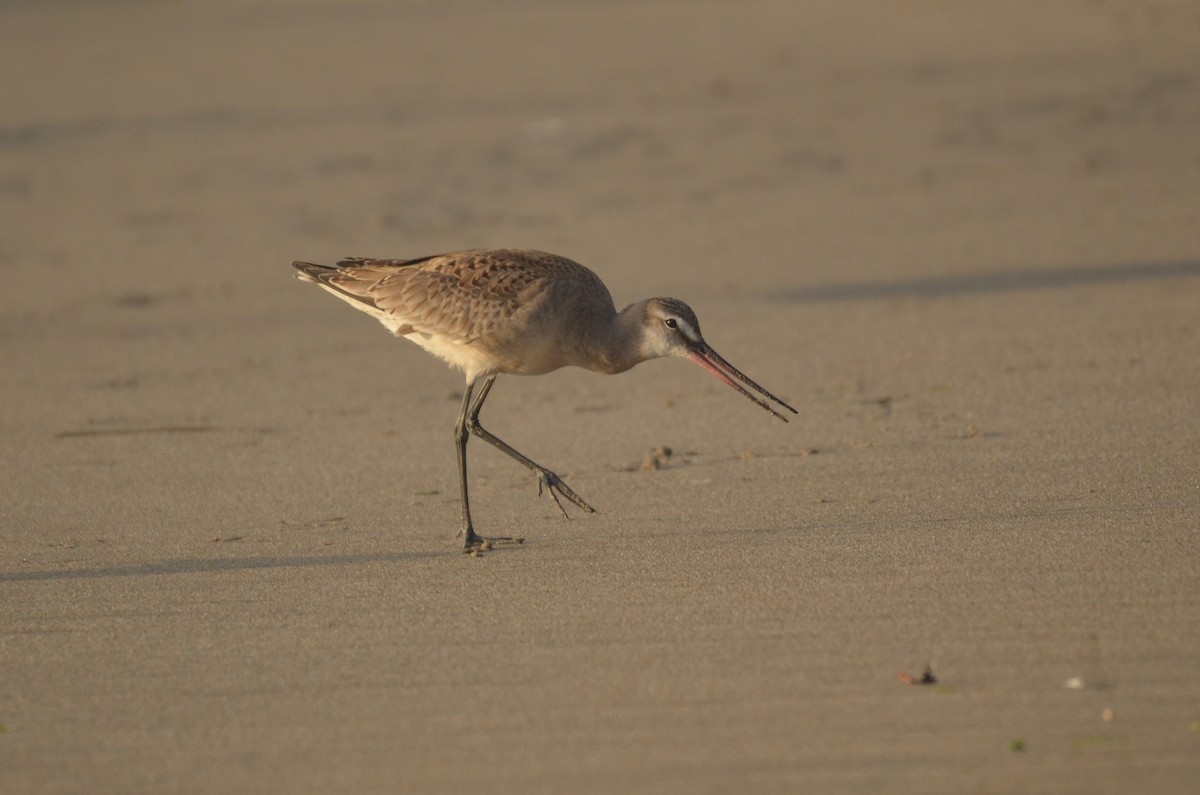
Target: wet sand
{"x": 960, "y": 238}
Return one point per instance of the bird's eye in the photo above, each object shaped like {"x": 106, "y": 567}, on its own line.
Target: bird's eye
{"x": 671, "y": 322}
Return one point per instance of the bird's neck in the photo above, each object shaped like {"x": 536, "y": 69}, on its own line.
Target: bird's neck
{"x": 622, "y": 346}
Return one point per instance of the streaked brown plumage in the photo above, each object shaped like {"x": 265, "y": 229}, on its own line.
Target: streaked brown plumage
{"x": 519, "y": 312}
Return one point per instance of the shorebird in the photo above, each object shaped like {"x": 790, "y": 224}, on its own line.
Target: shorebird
{"x": 490, "y": 312}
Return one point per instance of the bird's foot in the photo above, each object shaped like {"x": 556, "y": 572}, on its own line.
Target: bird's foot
{"x": 475, "y": 544}
{"x": 553, "y": 485}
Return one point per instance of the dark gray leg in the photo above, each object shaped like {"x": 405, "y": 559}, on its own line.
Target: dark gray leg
{"x": 552, "y": 483}
{"x": 471, "y": 540}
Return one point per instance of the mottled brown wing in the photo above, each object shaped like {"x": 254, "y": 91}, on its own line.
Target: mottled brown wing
{"x": 460, "y": 296}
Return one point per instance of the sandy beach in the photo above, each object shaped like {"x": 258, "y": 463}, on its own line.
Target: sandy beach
{"x": 963, "y": 239}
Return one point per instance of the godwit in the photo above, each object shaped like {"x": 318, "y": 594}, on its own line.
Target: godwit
{"x": 518, "y": 312}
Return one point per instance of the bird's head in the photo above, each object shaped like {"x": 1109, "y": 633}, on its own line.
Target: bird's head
{"x": 670, "y": 328}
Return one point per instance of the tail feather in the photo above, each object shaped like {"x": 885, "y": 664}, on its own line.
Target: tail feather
{"x": 311, "y": 272}
{"x": 325, "y": 277}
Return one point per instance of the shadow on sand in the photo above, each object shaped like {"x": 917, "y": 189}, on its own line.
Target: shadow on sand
{"x": 199, "y": 566}
{"x": 1024, "y": 279}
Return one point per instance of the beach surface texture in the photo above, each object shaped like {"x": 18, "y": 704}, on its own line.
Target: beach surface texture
{"x": 962, "y": 239}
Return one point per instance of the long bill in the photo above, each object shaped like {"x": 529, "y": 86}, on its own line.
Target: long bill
{"x": 703, "y": 355}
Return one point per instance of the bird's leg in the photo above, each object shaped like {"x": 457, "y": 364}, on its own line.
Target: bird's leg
{"x": 551, "y": 482}
{"x": 472, "y": 542}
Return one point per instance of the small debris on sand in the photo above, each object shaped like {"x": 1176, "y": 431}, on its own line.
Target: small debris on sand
{"x": 656, "y": 458}
{"x": 926, "y": 678}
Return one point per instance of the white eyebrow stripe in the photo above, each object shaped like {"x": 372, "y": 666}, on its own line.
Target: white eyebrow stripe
{"x": 687, "y": 330}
